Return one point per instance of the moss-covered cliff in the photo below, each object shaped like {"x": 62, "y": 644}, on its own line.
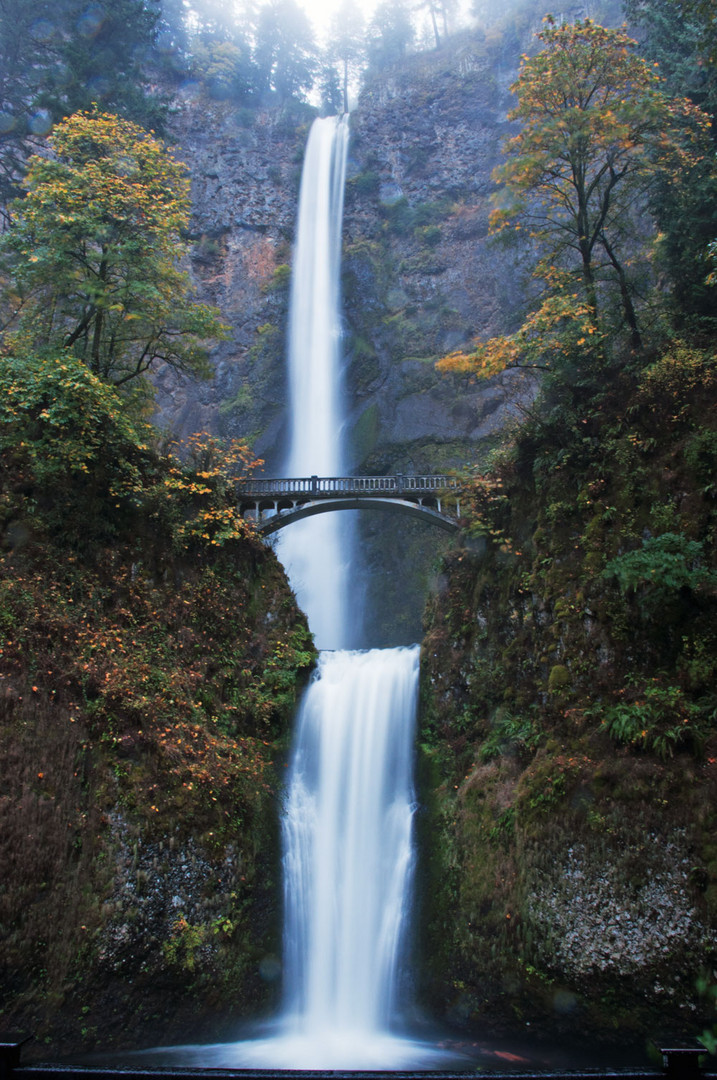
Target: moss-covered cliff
{"x": 569, "y": 716}
{"x": 150, "y": 657}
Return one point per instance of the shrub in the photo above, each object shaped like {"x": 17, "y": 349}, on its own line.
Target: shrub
{"x": 659, "y": 719}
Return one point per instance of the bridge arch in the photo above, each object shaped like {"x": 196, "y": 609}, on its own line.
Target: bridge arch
{"x": 273, "y": 504}
{"x": 278, "y": 520}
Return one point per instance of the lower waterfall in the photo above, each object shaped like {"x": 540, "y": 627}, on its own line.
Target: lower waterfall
{"x": 348, "y": 864}
{"x": 348, "y": 859}
{"x": 348, "y": 847}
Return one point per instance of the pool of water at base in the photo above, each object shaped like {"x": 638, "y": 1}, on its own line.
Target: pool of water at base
{"x": 267, "y": 1047}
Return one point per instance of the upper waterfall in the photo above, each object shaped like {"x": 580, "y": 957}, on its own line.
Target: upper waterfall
{"x": 315, "y": 553}
{"x": 314, "y": 359}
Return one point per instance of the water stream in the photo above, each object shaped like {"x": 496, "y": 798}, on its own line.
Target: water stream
{"x": 348, "y": 850}
{"x": 316, "y": 553}
{"x": 347, "y": 825}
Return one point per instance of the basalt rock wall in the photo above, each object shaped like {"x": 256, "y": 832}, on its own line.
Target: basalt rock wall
{"x": 245, "y": 169}
{"x": 421, "y": 276}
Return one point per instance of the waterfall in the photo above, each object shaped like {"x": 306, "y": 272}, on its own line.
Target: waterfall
{"x": 347, "y": 823}
{"x": 347, "y": 842}
{"x": 316, "y": 552}
{"x": 347, "y": 826}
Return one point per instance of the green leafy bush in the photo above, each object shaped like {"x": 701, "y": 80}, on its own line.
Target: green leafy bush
{"x": 659, "y": 719}
{"x": 666, "y": 562}
{"x": 510, "y": 732}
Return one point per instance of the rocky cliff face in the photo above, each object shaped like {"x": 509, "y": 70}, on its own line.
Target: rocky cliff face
{"x": 420, "y": 274}
{"x": 245, "y": 169}
{"x": 420, "y": 277}
{"x": 138, "y": 822}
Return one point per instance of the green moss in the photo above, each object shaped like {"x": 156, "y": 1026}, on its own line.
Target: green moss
{"x": 364, "y": 183}
{"x": 558, "y": 679}
{"x": 280, "y": 279}
{"x": 430, "y": 235}
{"x": 365, "y": 432}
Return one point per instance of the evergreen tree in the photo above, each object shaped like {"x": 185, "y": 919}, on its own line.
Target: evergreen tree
{"x": 285, "y": 52}
{"x": 441, "y": 14}
{"x": 29, "y": 36}
{"x": 329, "y": 88}
{"x": 58, "y": 56}
{"x": 390, "y": 34}
{"x": 103, "y": 57}
{"x": 346, "y": 44}
{"x": 675, "y": 36}
{"x": 172, "y": 38}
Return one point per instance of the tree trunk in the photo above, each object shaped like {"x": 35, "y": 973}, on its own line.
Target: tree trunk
{"x": 627, "y": 305}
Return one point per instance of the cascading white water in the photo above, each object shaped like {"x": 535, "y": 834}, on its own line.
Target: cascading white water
{"x": 348, "y": 844}
{"x": 347, "y": 826}
{"x": 316, "y": 552}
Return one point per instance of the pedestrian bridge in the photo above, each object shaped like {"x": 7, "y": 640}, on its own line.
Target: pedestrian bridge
{"x": 273, "y": 504}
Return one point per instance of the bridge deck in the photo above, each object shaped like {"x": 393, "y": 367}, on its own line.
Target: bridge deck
{"x": 279, "y": 501}
{"x": 398, "y": 486}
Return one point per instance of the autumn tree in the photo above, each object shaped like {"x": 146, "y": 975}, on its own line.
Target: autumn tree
{"x": 597, "y": 134}
{"x": 93, "y": 259}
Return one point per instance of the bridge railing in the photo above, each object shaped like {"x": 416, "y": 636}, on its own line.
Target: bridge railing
{"x": 347, "y": 485}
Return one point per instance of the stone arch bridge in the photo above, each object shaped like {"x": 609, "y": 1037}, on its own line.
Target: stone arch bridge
{"x": 275, "y": 503}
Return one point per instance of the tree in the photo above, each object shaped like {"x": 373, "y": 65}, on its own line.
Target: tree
{"x": 24, "y": 55}
{"x": 389, "y": 35}
{"x": 103, "y": 55}
{"x": 674, "y": 36}
{"x": 704, "y": 13}
{"x": 173, "y": 38}
{"x": 94, "y": 254}
{"x": 346, "y": 44}
{"x": 285, "y": 52}
{"x": 597, "y": 134}
{"x": 444, "y": 10}
{"x": 331, "y": 98}
{"x": 224, "y": 68}
{"x": 60, "y": 56}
